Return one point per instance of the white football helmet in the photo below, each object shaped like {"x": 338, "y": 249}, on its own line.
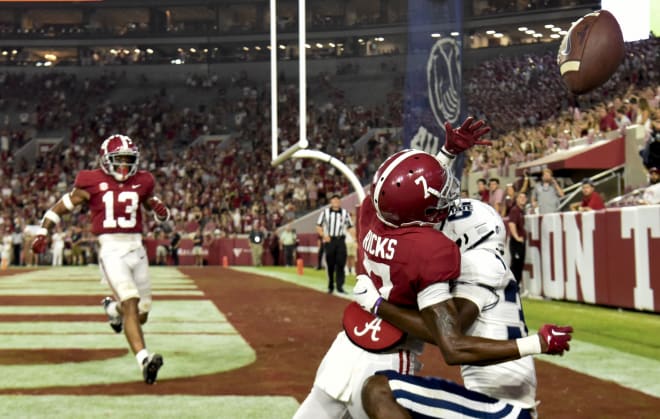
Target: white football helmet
{"x": 474, "y": 224}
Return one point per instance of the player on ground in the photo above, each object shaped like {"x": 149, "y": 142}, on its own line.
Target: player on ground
{"x": 114, "y": 194}
{"x": 486, "y": 297}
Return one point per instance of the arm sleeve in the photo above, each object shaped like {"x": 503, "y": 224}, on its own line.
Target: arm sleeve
{"x": 321, "y": 218}
{"x": 81, "y": 181}
{"x": 151, "y": 182}
{"x": 433, "y": 294}
{"x": 442, "y": 264}
{"x": 480, "y": 296}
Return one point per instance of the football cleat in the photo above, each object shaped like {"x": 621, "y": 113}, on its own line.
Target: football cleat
{"x": 150, "y": 367}
{"x": 115, "y": 321}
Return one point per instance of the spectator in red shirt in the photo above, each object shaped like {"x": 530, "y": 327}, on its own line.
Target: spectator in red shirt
{"x": 482, "y": 190}
{"x": 591, "y": 200}
{"x": 518, "y": 236}
{"x": 607, "y": 118}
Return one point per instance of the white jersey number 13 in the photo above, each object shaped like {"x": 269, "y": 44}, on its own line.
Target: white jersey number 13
{"x": 132, "y": 200}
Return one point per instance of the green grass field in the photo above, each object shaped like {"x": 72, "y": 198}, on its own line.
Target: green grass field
{"x": 627, "y": 331}
{"x": 608, "y": 343}
{"x": 611, "y": 344}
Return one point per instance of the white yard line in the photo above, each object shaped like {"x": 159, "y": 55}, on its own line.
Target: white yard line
{"x": 632, "y": 371}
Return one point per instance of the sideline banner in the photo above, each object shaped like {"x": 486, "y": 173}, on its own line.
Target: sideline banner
{"x": 236, "y": 250}
{"x": 599, "y": 257}
{"x": 607, "y": 257}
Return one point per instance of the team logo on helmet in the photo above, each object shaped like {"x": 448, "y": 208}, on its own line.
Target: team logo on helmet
{"x": 474, "y": 224}
{"x": 412, "y": 188}
{"x": 119, "y": 157}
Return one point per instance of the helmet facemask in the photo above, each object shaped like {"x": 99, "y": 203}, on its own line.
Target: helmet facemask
{"x": 448, "y": 198}
{"x": 119, "y": 157}
{"x": 120, "y": 164}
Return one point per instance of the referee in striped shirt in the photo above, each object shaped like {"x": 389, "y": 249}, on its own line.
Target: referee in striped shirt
{"x": 333, "y": 224}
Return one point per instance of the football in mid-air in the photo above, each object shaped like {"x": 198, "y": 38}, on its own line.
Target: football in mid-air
{"x": 590, "y": 52}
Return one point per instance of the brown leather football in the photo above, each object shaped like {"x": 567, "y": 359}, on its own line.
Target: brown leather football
{"x": 590, "y": 52}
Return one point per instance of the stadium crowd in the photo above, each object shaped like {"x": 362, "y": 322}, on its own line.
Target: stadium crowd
{"x": 542, "y": 117}
{"x": 229, "y": 187}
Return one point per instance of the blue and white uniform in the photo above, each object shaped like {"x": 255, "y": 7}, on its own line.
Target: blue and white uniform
{"x": 505, "y": 390}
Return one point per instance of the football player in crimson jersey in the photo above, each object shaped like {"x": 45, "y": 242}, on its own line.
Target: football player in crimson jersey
{"x": 488, "y": 305}
{"x": 394, "y": 249}
{"x": 115, "y": 194}
{"x": 410, "y": 264}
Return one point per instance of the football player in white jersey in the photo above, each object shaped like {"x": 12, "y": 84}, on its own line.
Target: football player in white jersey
{"x": 488, "y": 303}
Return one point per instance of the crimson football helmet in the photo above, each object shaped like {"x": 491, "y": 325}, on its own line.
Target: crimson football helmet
{"x": 412, "y": 187}
{"x": 119, "y": 157}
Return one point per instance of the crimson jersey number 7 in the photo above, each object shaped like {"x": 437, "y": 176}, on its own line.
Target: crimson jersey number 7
{"x": 380, "y": 270}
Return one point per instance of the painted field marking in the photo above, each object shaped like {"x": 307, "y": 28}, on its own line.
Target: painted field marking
{"x": 161, "y": 407}
{"x": 86, "y": 280}
{"x": 631, "y": 371}
{"x": 194, "y": 337}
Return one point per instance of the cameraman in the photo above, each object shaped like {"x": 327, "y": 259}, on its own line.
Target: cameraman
{"x": 547, "y": 193}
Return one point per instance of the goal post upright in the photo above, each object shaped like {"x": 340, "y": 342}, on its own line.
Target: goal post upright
{"x": 273, "y": 79}
{"x": 299, "y": 149}
{"x": 302, "y": 143}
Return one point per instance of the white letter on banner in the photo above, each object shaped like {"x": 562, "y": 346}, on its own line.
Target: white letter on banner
{"x": 535, "y": 283}
{"x": 552, "y": 287}
{"x": 640, "y": 219}
{"x": 580, "y": 256}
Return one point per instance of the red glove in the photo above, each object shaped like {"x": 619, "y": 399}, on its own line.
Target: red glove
{"x": 555, "y": 338}
{"x": 40, "y": 242}
{"x": 460, "y": 139}
{"x": 161, "y": 213}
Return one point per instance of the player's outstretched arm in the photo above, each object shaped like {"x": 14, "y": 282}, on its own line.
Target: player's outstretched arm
{"x": 457, "y": 348}
{"x": 406, "y": 319}
{"x": 160, "y": 211}
{"x": 444, "y": 323}
{"x": 457, "y": 140}
{"x": 66, "y": 204}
